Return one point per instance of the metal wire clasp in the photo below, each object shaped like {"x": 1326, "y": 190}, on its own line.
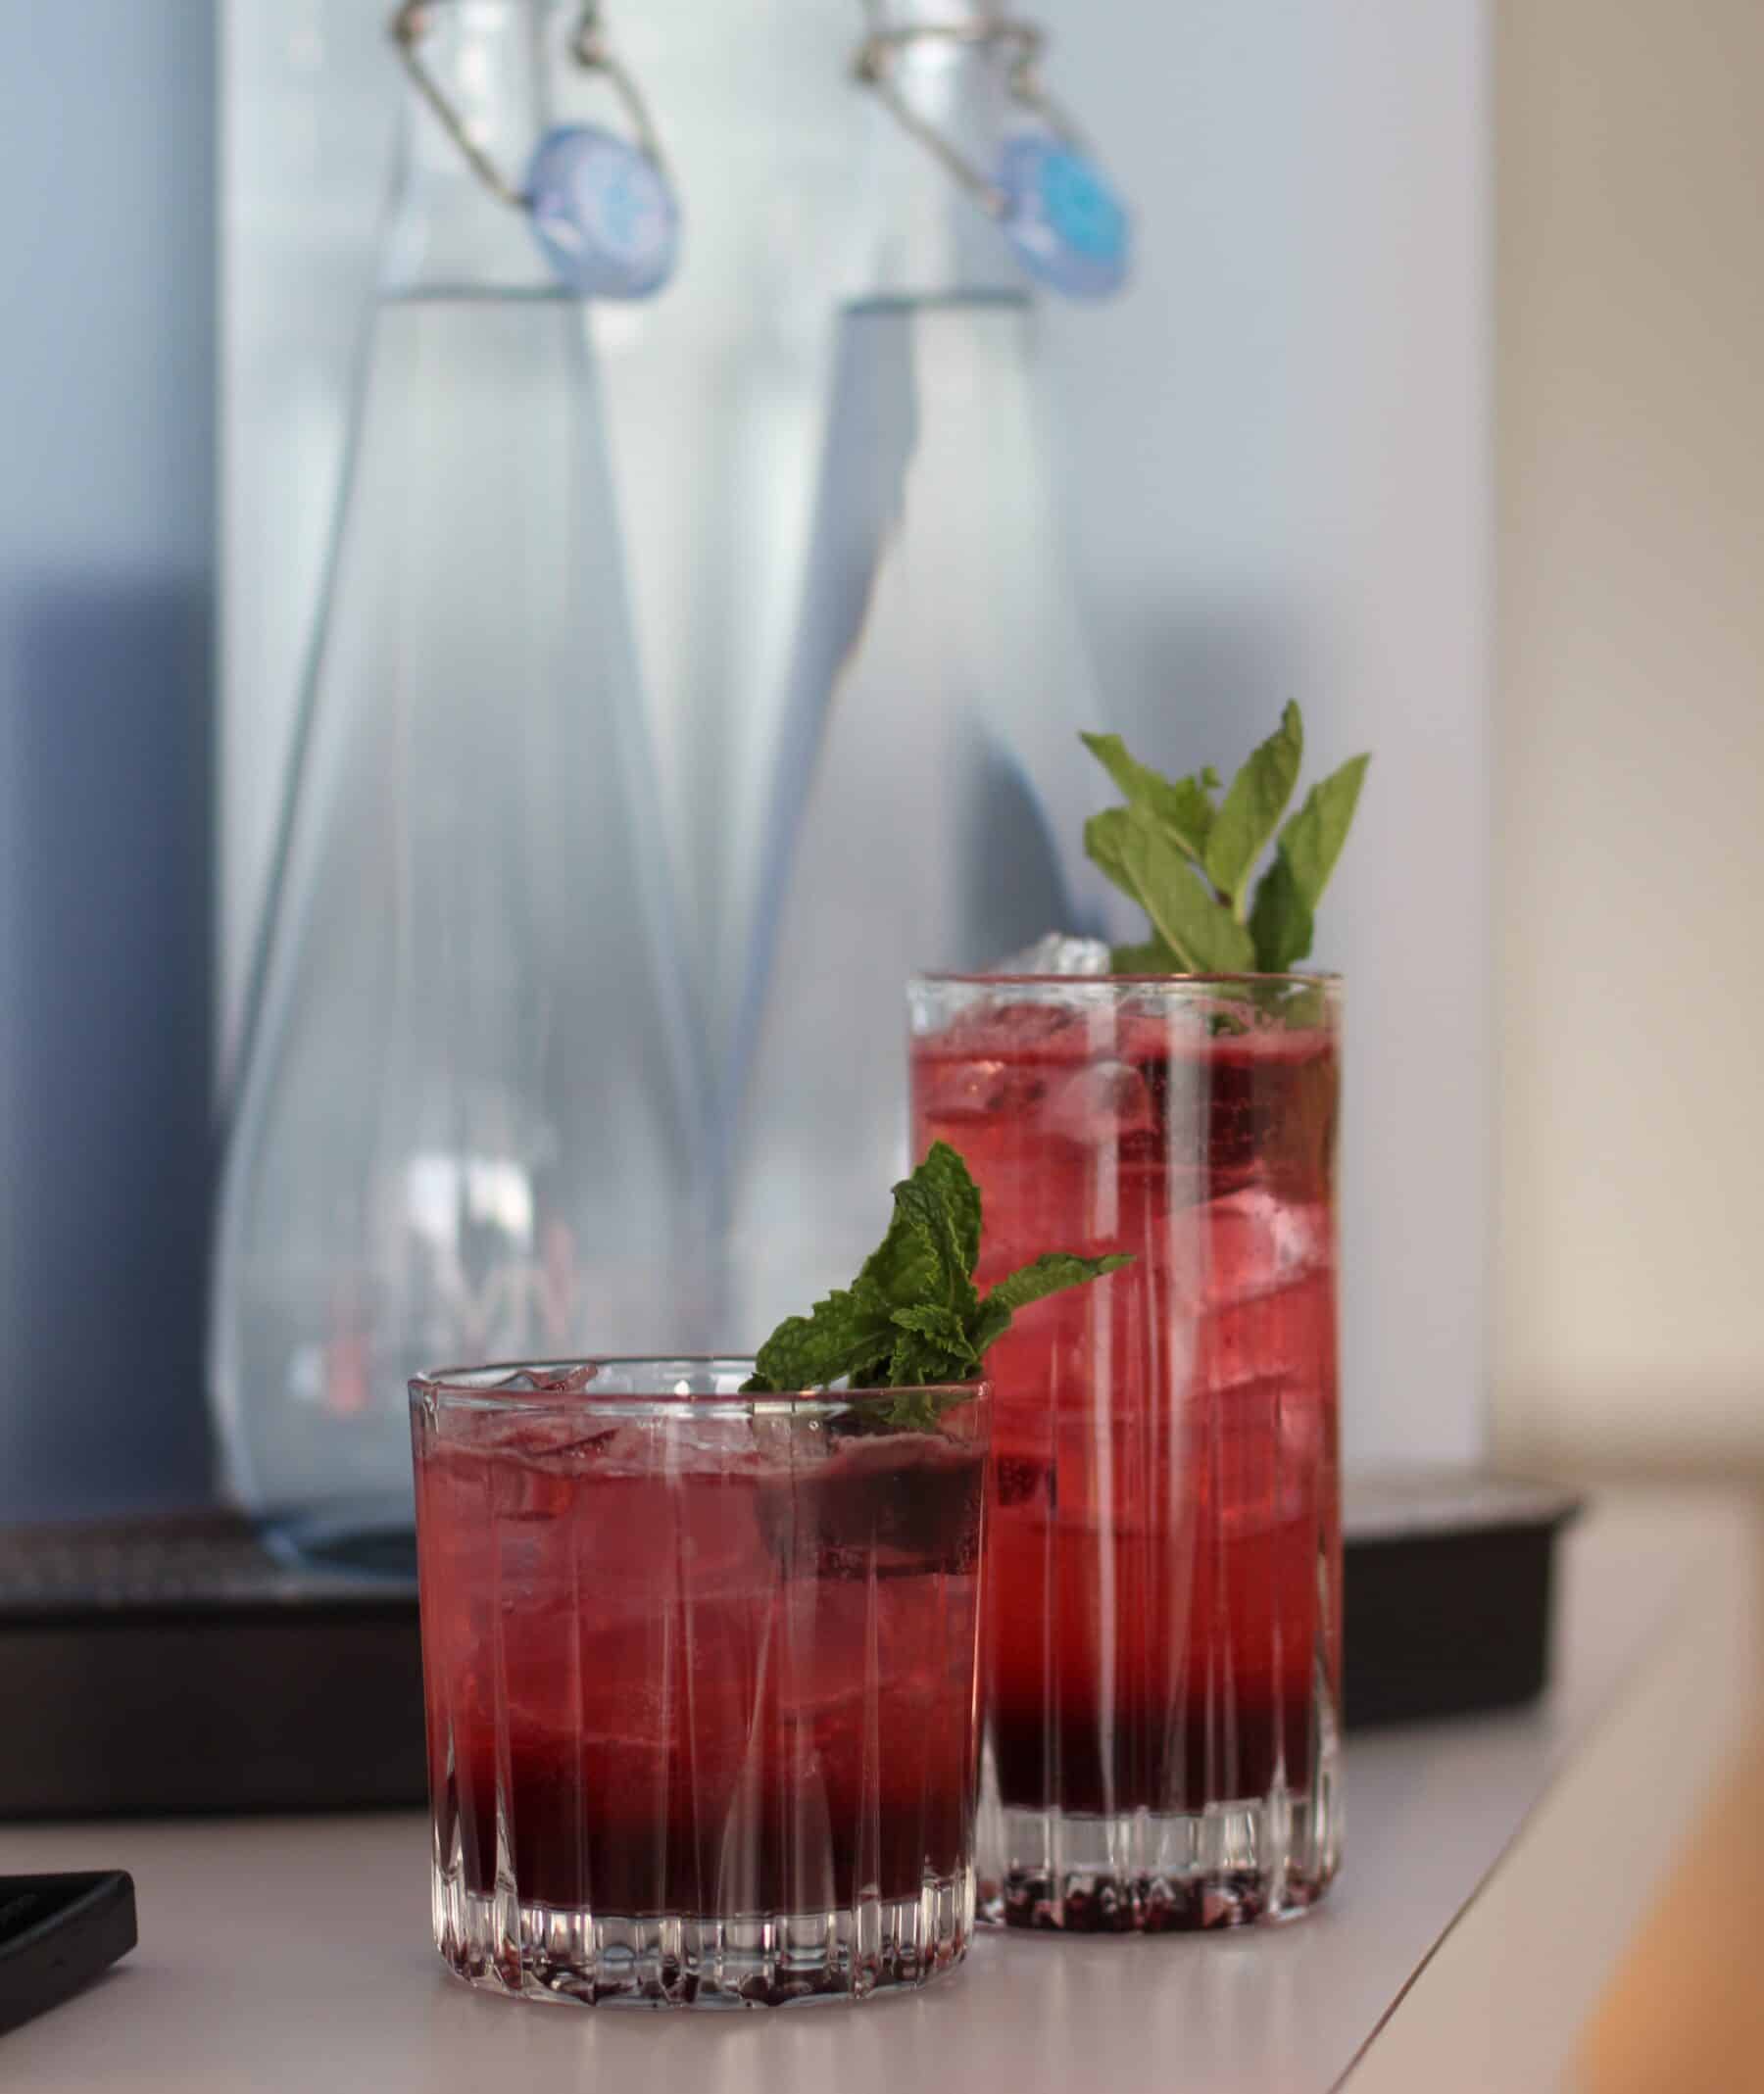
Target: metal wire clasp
{"x": 874, "y": 67}
{"x": 588, "y": 46}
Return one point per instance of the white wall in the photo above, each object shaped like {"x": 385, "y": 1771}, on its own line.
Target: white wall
{"x": 1277, "y": 458}
{"x": 1273, "y": 453}
{"x": 1631, "y": 733}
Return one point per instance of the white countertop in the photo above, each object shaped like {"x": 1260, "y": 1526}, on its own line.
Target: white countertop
{"x": 1481, "y": 1904}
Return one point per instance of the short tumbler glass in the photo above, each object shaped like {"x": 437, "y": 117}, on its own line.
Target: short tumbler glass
{"x": 1163, "y": 1637}
{"x": 702, "y": 1678}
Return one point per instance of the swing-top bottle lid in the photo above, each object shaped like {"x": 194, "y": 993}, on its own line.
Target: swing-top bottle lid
{"x": 1060, "y": 217}
{"x": 604, "y": 212}
{"x": 601, "y": 206}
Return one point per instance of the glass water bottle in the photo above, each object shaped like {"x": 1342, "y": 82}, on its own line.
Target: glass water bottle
{"x": 468, "y": 1125}
{"x": 930, "y": 791}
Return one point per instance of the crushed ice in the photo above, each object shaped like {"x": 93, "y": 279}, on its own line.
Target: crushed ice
{"x": 1057, "y": 952}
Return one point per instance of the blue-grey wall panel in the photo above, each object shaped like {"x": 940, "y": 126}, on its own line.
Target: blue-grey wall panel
{"x": 107, "y": 418}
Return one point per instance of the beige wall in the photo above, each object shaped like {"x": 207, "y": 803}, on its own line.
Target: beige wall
{"x": 1629, "y": 1307}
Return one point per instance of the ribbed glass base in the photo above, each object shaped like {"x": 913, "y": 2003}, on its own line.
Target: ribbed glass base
{"x": 1231, "y": 1864}
{"x": 542, "y": 1951}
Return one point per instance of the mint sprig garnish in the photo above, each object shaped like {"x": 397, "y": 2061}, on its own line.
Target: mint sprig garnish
{"x": 913, "y": 1319}
{"x": 1186, "y": 857}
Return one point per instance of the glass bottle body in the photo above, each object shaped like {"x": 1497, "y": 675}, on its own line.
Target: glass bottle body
{"x": 466, "y": 1123}
{"x": 929, "y": 793}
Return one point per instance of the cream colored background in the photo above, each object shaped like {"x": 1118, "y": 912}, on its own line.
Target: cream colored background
{"x": 1628, "y": 1304}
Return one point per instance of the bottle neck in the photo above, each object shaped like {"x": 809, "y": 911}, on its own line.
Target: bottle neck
{"x": 450, "y": 233}
{"x": 931, "y": 235}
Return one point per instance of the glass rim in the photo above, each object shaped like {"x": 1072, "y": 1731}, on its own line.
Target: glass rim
{"x": 484, "y": 1387}
{"x": 958, "y": 978}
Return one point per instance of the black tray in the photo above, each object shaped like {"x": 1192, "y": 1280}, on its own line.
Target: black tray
{"x": 1449, "y": 1581}
{"x": 184, "y": 1667}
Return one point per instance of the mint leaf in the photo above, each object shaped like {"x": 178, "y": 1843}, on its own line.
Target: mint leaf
{"x": 1189, "y": 814}
{"x": 1134, "y": 778}
{"x": 1285, "y": 900}
{"x": 1280, "y": 923}
{"x": 1189, "y": 865}
{"x": 1104, "y": 845}
{"x": 907, "y": 1264}
{"x": 945, "y": 1173}
{"x": 933, "y": 1242}
{"x": 927, "y": 1211}
{"x": 1181, "y": 805}
{"x": 1204, "y": 938}
{"x": 1311, "y": 842}
{"x": 846, "y": 1334}
{"x": 933, "y": 1345}
{"x": 1246, "y": 821}
{"x": 1051, "y": 1274}
{"x": 943, "y": 1331}
{"x": 1153, "y": 957}
{"x": 912, "y": 1320}
{"x": 992, "y": 1324}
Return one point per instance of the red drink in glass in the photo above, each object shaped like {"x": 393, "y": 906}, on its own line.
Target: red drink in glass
{"x": 702, "y": 1678}
{"x": 1164, "y": 1635}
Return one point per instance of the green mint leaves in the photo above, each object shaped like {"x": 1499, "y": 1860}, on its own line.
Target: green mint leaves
{"x": 1245, "y": 825}
{"x": 1186, "y": 857}
{"x": 913, "y": 1316}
